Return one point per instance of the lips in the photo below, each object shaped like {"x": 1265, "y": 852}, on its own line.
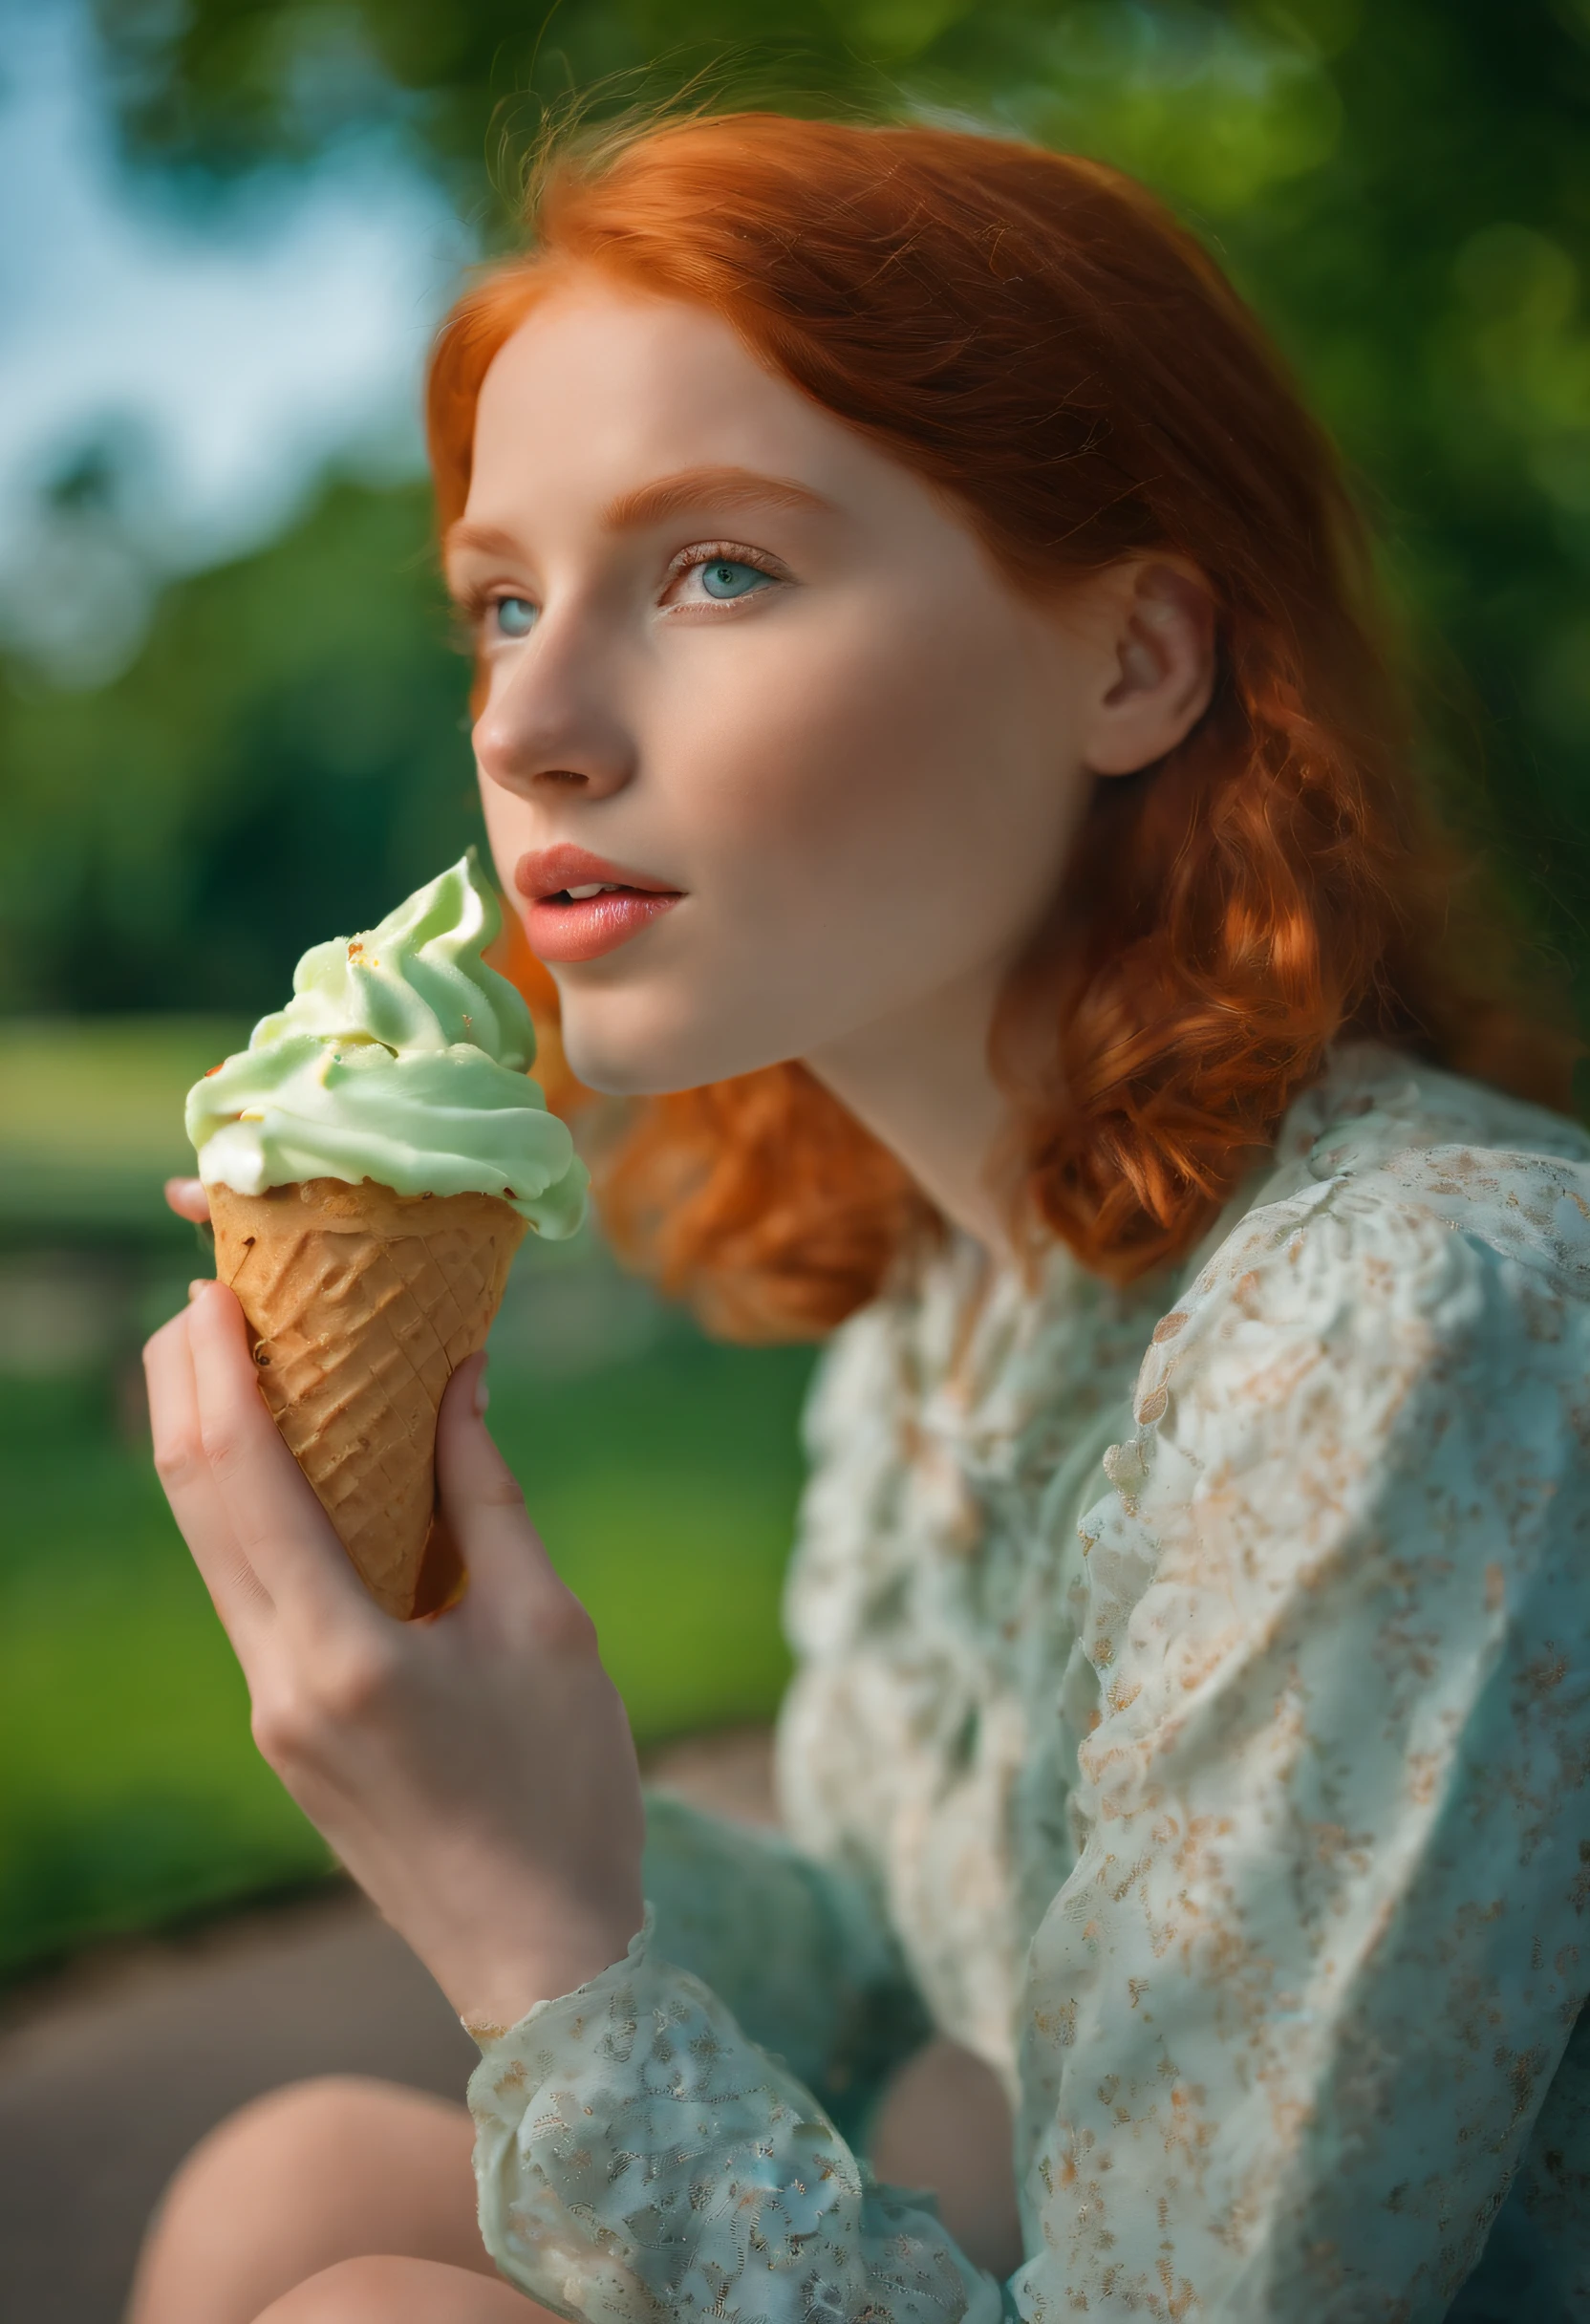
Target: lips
{"x": 581, "y": 906}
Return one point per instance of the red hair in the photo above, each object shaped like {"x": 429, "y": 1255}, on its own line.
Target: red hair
{"x": 1035, "y": 334}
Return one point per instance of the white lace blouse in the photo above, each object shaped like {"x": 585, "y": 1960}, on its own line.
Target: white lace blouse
{"x": 1192, "y": 1717}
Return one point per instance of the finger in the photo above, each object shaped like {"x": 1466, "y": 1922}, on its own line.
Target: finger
{"x": 190, "y": 1198}
{"x": 236, "y": 1592}
{"x": 478, "y": 1492}
{"x": 279, "y": 1524}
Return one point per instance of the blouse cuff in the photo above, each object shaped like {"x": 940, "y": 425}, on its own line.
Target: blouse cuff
{"x": 637, "y": 2157}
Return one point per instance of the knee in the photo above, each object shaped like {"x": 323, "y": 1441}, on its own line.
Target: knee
{"x": 295, "y": 2128}
{"x": 379, "y": 2290}
{"x": 368, "y": 2290}
{"x": 268, "y": 2155}
{"x": 298, "y": 2182}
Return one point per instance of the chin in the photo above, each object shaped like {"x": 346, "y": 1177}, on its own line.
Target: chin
{"x": 620, "y": 1068}
{"x": 653, "y": 1059}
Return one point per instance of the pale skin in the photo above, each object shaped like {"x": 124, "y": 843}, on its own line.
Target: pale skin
{"x": 861, "y": 767}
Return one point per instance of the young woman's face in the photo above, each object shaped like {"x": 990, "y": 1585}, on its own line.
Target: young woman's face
{"x": 755, "y": 681}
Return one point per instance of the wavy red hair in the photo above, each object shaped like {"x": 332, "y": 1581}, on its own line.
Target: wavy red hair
{"x": 1035, "y": 334}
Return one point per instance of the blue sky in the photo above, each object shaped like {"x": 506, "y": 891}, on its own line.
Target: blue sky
{"x": 237, "y": 352}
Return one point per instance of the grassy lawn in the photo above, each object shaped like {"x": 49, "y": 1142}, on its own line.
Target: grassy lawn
{"x": 129, "y": 1787}
{"x": 93, "y": 1118}
{"x": 661, "y": 1469}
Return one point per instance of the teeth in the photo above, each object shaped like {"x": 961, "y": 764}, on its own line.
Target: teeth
{"x": 598, "y": 887}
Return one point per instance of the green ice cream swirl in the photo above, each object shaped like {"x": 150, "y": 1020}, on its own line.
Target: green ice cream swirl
{"x": 403, "y": 1058}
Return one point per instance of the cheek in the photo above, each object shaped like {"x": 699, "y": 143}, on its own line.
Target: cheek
{"x": 882, "y": 749}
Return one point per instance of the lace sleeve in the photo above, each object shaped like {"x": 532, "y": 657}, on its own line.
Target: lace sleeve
{"x": 1292, "y": 2018}
{"x": 641, "y": 2161}
{"x": 799, "y": 1952}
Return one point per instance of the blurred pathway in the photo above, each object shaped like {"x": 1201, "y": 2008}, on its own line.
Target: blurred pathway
{"x": 109, "y": 2070}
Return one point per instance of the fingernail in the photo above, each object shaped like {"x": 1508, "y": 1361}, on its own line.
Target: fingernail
{"x": 482, "y": 1394}
{"x": 196, "y": 1286}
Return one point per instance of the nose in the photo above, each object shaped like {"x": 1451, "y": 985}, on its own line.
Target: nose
{"x": 549, "y": 724}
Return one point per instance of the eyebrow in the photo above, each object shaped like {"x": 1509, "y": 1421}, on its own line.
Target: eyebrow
{"x": 486, "y": 540}
{"x": 728, "y": 487}
{"x": 652, "y": 503}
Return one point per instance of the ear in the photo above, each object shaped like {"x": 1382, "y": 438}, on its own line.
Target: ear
{"x": 1157, "y": 631}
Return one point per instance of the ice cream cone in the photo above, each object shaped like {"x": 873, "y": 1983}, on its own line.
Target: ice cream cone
{"x": 361, "y": 1304}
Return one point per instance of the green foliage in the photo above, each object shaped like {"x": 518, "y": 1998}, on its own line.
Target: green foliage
{"x": 285, "y": 758}
{"x": 1403, "y": 188}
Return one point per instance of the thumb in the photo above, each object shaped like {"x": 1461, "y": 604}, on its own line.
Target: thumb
{"x": 478, "y": 1492}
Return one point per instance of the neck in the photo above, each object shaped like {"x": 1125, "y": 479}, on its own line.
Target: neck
{"x": 920, "y": 1081}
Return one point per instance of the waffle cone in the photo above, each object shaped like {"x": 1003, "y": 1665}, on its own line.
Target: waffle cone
{"x": 361, "y": 1304}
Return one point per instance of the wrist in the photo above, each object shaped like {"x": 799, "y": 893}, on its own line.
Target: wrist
{"x": 492, "y": 1989}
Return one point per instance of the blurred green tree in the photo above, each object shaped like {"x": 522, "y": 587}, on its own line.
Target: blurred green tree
{"x": 1403, "y": 188}
{"x": 286, "y": 755}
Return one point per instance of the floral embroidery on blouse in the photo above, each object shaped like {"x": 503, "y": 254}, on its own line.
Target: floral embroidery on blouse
{"x": 1191, "y": 1715}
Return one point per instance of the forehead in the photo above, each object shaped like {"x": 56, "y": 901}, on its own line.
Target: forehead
{"x": 601, "y": 389}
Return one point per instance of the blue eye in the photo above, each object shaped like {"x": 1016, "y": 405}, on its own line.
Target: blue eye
{"x": 724, "y": 579}
{"x": 514, "y": 616}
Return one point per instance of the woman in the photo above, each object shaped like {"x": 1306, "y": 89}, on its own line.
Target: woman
{"x": 928, "y": 716}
